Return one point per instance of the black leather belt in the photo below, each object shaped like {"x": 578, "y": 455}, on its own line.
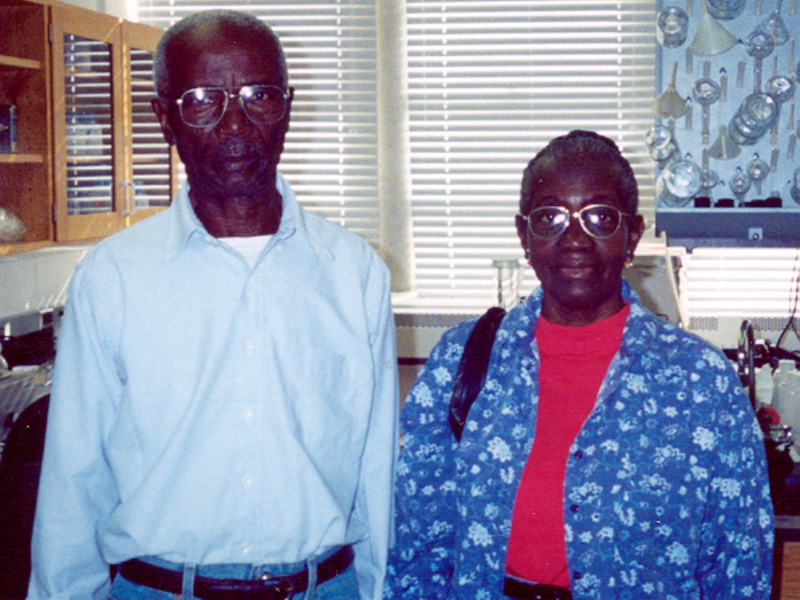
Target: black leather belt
{"x": 522, "y": 590}
{"x": 268, "y": 587}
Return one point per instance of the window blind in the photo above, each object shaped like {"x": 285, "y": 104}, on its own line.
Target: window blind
{"x": 330, "y": 153}
{"x": 87, "y": 98}
{"x": 490, "y": 83}
{"x": 741, "y": 282}
{"x": 151, "y": 173}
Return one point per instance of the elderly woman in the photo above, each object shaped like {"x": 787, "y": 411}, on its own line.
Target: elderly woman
{"x": 610, "y": 455}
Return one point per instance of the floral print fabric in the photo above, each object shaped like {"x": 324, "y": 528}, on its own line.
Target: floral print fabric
{"x": 666, "y": 493}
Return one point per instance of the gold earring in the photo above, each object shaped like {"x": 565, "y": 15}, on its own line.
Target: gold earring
{"x": 629, "y": 260}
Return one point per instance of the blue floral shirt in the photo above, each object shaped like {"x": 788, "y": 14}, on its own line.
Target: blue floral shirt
{"x": 666, "y": 493}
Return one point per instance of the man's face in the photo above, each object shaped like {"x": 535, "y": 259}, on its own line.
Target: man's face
{"x": 581, "y": 275}
{"x": 236, "y": 156}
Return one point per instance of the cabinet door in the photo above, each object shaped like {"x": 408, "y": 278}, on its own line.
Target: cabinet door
{"x": 25, "y": 142}
{"x": 88, "y": 121}
{"x": 150, "y": 164}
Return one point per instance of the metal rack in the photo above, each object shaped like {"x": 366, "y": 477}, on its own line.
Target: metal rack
{"x": 702, "y": 83}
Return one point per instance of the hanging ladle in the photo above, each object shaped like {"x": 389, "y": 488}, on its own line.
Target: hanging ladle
{"x": 759, "y": 45}
{"x": 758, "y": 170}
{"x": 705, "y": 93}
{"x": 669, "y": 103}
{"x": 781, "y": 88}
{"x": 739, "y": 184}
{"x": 710, "y": 176}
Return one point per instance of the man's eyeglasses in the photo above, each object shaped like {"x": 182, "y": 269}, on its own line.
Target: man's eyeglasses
{"x": 598, "y": 220}
{"x": 205, "y": 106}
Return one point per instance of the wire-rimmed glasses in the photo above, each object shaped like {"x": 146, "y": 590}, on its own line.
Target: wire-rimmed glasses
{"x": 597, "y": 220}
{"x": 205, "y": 106}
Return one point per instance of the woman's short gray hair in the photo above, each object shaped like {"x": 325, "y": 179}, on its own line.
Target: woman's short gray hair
{"x": 575, "y": 145}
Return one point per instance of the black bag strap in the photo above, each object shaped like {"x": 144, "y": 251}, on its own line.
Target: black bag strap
{"x": 471, "y": 374}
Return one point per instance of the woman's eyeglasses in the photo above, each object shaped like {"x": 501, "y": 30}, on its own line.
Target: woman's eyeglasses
{"x": 598, "y": 220}
{"x": 205, "y": 106}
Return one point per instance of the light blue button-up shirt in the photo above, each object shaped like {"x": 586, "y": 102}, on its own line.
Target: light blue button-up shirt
{"x": 205, "y": 411}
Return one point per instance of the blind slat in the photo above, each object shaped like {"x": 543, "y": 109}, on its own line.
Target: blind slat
{"x": 489, "y": 85}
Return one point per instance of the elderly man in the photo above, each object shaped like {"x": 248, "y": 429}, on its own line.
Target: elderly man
{"x": 223, "y": 413}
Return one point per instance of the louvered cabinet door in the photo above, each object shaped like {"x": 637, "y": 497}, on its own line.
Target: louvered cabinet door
{"x": 88, "y": 124}
{"x": 151, "y": 166}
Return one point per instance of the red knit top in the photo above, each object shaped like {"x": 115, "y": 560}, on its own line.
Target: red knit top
{"x": 574, "y": 362}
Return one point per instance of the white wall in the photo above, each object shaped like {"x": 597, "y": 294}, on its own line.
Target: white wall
{"x": 33, "y": 282}
{"x": 117, "y": 8}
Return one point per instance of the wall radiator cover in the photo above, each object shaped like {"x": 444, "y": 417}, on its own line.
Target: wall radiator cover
{"x": 418, "y": 332}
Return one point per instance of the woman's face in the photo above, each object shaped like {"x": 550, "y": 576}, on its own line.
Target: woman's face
{"x": 581, "y": 276}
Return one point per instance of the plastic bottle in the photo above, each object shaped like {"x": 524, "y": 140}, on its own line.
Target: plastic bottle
{"x": 786, "y": 397}
{"x": 765, "y": 386}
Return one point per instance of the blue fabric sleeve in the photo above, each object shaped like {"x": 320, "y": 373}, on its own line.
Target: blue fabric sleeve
{"x": 422, "y": 560}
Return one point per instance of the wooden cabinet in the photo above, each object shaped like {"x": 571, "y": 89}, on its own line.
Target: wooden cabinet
{"x": 92, "y": 159}
{"x": 788, "y": 566}
{"x": 152, "y": 167}
{"x": 26, "y": 176}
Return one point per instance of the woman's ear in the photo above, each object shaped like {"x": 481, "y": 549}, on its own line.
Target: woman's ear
{"x": 522, "y": 232}
{"x": 635, "y": 232}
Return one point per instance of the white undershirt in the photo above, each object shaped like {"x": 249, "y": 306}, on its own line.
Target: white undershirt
{"x": 249, "y": 247}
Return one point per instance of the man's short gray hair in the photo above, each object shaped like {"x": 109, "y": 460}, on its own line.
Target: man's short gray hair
{"x": 183, "y": 30}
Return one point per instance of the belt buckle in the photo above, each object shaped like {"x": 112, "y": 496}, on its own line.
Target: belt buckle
{"x": 282, "y": 587}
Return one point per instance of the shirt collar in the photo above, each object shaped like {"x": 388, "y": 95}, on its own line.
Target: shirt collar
{"x": 185, "y": 224}
{"x": 534, "y": 301}
{"x": 637, "y": 338}
{"x": 531, "y": 309}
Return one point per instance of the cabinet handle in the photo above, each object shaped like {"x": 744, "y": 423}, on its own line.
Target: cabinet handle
{"x": 130, "y": 201}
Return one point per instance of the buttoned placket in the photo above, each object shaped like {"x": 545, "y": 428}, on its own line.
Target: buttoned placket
{"x": 248, "y": 350}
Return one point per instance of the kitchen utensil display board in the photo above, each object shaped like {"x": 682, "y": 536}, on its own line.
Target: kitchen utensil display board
{"x": 726, "y": 123}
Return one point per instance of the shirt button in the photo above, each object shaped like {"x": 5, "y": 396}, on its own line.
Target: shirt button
{"x": 579, "y": 454}
{"x": 573, "y": 508}
{"x": 577, "y": 574}
{"x": 245, "y": 549}
{"x": 247, "y": 480}
{"x": 248, "y": 414}
{"x": 248, "y": 347}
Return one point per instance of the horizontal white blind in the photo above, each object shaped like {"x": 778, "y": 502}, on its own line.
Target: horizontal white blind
{"x": 87, "y": 98}
{"x": 330, "y": 157}
{"x": 151, "y": 174}
{"x": 741, "y": 282}
{"x": 490, "y": 83}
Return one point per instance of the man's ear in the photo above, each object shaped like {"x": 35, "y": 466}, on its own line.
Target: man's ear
{"x": 162, "y": 113}
{"x": 285, "y": 121}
